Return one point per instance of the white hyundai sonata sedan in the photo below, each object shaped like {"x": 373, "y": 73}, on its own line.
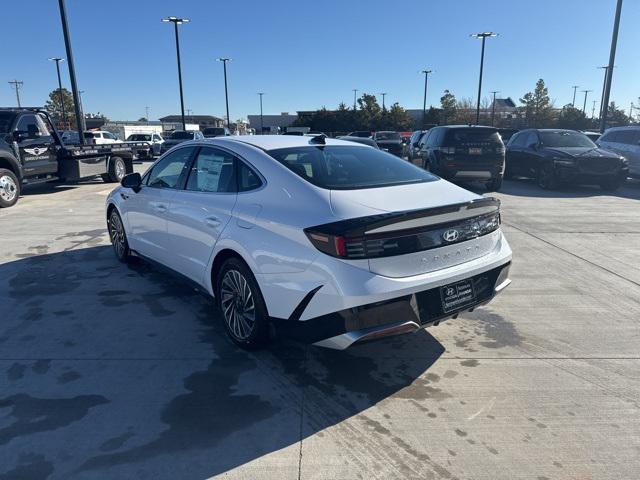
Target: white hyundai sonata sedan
{"x": 329, "y": 241}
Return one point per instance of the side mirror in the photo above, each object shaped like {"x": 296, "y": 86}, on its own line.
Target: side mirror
{"x": 20, "y": 135}
{"x": 533, "y": 146}
{"x": 132, "y": 181}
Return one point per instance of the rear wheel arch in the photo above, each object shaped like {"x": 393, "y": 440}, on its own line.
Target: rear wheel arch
{"x": 221, "y": 257}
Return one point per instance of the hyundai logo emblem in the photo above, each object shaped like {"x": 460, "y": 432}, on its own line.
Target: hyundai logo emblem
{"x": 451, "y": 235}
{"x": 450, "y": 291}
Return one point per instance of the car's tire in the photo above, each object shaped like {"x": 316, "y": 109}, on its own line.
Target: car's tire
{"x": 242, "y": 306}
{"x": 426, "y": 165}
{"x": 118, "y": 236}
{"x": 9, "y": 188}
{"x": 508, "y": 174}
{"x": 117, "y": 170}
{"x": 494, "y": 184}
{"x": 612, "y": 184}
{"x": 546, "y": 178}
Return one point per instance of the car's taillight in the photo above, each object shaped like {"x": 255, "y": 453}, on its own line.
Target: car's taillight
{"x": 399, "y": 242}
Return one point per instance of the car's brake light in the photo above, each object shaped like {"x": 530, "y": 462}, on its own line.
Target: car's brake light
{"x": 400, "y": 242}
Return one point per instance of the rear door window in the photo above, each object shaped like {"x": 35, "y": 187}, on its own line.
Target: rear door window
{"x": 212, "y": 171}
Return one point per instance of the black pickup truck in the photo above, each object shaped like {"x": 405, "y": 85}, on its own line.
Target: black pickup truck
{"x": 31, "y": 151}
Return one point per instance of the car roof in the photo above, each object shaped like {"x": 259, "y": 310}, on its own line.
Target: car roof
{"x": 624, "y": 127}
{"x": 466, "y": 126}
{"x": 272, "y": 142}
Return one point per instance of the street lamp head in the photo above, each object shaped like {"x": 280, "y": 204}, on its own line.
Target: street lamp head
{"x": 484, "y": 35}
{"x": 426, "y": 72}
{"x": 56, "y": 59}
{"x": 176, "y": 20}
{"x": 223, "y": 59}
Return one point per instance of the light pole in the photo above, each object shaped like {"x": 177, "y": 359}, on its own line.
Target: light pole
{"x": 573, "y": 102}
{"x": 483, "y": 36}
{"x": 178, "y": 21}
{"x": 493, "y": 105}
{"x": 584, "y": 105}
{"x": 58, "y": 60}
{"x": 384, "y": 94}
{"x": 424, "y": 100}
{"x": 609, "y": 74}
{"x": 261, "y": 124}
{"x": 604, "y": 87}
{"x": 226, "y": 96}
{"x": 80, "y": 124}
{"x": 593, "y": 109}
{"x": 355, "y": 91}
{"x": 146, "y": 111}
{"x": 17, "y": 84}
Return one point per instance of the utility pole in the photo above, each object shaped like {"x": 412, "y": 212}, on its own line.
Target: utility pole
{"x": 593, "y": 109}
{"x": 584, "y": 105}
{"x": 355, "y": 91}
{"x": 58, "y": 60}
{"x": 424, "y": 101}
{"x": 612, "y": 59}
{"x": 384, "y": 94}
{"x": 72, "y": 73}
{"x": 483, "y": 36}
{"x": 604, "y": 87}
{"x": 493, "y": 106}
{"x": 17, "y": 85}
{"x": 146, "y": 111}
{"x": 261, "y": 123}
{"x": 178, "y": 21}
{"x": 573, "y": 102}
{"x": 226, "y": 96}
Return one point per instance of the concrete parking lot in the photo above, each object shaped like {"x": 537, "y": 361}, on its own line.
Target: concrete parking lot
{"x": 114, "y": 371}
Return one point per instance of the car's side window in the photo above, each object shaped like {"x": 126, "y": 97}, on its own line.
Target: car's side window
{"x": 212, "y": 171}
{"x": 248, "y": 179}
{"x": 167, "y": 172}
{"x": 29, "y": 123}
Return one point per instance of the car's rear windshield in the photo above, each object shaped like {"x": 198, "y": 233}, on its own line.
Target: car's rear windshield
{"x": 460, "y": 136}
{"x": 387, "y": 136}
{"x": 181, "y": 135}
{"x": 140, "y": 137}
{"x": 338, "y": 167}
{"x": 563, "y": 138}
{"x": 213, "y": 131}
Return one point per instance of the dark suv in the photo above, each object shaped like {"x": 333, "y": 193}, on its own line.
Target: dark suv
{"x": 464, "y": 153}
{"x": 553, "y": 157}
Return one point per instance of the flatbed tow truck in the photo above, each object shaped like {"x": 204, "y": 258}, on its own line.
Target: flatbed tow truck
{"x": 32, "y": 151}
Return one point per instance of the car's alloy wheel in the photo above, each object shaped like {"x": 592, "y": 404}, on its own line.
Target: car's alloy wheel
{"x": 118, "y": 236}
{"x": 8, "y": 189}
{"x": 237, "y": 304}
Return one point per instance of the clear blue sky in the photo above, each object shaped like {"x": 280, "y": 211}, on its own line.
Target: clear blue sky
{"x": 306, "y": 54}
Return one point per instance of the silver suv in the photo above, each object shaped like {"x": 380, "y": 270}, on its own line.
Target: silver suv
{"x": 624, "y": 141}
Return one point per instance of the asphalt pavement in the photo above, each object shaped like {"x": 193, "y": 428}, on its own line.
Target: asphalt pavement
{"x": 113, "y": 371}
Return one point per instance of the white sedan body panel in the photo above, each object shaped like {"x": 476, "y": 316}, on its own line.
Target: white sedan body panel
{"x": 186, "y": 230}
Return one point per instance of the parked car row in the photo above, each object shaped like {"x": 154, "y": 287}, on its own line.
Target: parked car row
{"x": 551, "y": 157}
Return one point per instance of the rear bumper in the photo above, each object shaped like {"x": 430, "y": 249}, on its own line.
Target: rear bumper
{"x": 328, "y": 298}
{"x": 406, "y": 314}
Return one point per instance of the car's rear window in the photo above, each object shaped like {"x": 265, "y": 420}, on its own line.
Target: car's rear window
{"x": 337, "y": 167}
{"x": 461, "y": 136}
{"x": 89, "y": 135}
{"x": 182, "y": 135}
{"x": 387, "y": 136}
{"x": 140, "y": 137}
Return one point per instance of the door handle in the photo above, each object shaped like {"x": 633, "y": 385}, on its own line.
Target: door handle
{"x": 212, "y": 222}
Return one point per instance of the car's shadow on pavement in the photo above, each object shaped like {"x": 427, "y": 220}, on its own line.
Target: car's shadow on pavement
{"x": 110, "y": 369}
